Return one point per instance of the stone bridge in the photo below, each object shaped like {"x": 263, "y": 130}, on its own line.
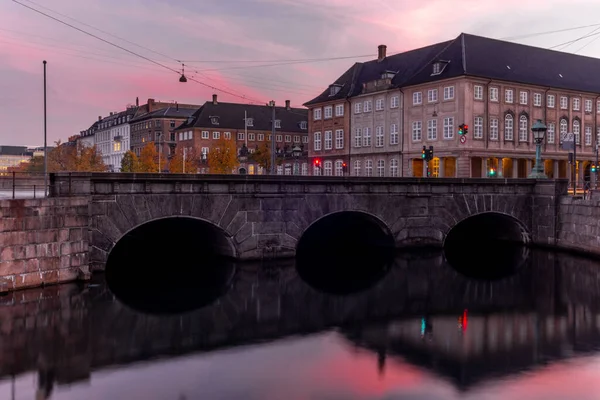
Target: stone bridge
{"x": 253, "y": 217}
{"x": 74, "y": 330}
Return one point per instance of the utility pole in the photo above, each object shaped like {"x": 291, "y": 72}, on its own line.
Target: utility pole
{"x": 159, "y": 150}
{"x": 272, "y": 105}
{"x": 596, "y": 176}
{"x": 45, "y": 139}
{"x": 574, "y": 164}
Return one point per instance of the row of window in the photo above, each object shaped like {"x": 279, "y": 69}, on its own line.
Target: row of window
{"x": 148, "y": 124}
{"x": 537, "y": 99}
{"x": 362, "y": 136}
{"x": 432, "y": 95}
{"x": 114, "y": 121}
{"x": 328, "y": 112}
{"x": 328, "y": 140}
{"x": 336, "y": 169}
{"x": 432, "y": 129}
{"x": 188, "y": 135}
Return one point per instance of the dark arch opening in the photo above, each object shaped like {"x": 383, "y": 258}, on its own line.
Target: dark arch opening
{"x": 171, "y": 265}
{"x": 487, "y": 246}
{"x": 345, "y": 252}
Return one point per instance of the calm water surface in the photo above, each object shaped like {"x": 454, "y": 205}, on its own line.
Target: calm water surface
{"x": 414, "y": 328}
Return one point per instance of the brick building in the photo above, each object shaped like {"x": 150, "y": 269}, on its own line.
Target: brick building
{"x": 250, "y": 126}
{"x": 419, "y": 98}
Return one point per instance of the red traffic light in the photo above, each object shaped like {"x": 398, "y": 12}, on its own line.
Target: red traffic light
{"x": 317, "y": 162}
{"x": 344, "y": 165}
{"x": 466, "y": 126}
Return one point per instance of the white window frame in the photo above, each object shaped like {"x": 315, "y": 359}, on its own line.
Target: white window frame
{"x": 366, "y": 137}
{"x": 394, "y": 134}
{"x": 339, "y": 138}
{"x": 523, "y": 97}
{"x": 588, "y": 136}
{"x": 478, "y": 92}
{"x": 509, "y": 127}
{"x": 576, "y": 104}
{"x": 523, "y": 129}
{"x": 339, "y": 110}
{"x": 550, "y": 101}
{"x": 551, "y": 133}
{"x": 328, "y": 168}
{"x": 394, "y": 102}
{"x": 564, "y": 102}
{"x": 432, "y": 95}
{"x": 327, "y": 112}
{"x": 358, "y": 107}
{"x": 449, "y": 128}
{"x": 316, "y": 115}
{"x": 328, "y": 140}
{"x": 356, "y": 167}
{"x": 478, "y": 128}
{"x": 537, "y": 99}
{"x": 339, "y": 168}
{"x": 509, "y": 96}
{"x": 368, "y": 167}
{"x": 358, "y": 137}
{"x": 394, "y": 168}
{"x": 432, "y": 129}
{"x": 417, "y": 131}
{"x": 417, "y": 98}
{"x": 449, "y": 93}
{"x": 577, "y": 131}
{"x": 317, "y": 141}
{"x": 380, "y": 168}
{"x": 368, "y": 106}
{"x": 494, "y": 128}
{"x": 494, "y": 94}
{"x": 379, "y": 104}
{"x": 379, "y": 136}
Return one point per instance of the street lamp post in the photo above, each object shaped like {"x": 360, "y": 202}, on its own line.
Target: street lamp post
{"x": 45, "y": 139}
{"x": 296, "y": 151}
{"x": 539, "y": 131}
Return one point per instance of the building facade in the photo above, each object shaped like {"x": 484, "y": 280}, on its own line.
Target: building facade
{"x": 498, "y": 89}
{"x": 112, "y": 138}
{"x": 250, "y": 126}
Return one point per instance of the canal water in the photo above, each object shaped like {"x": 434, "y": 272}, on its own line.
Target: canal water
{"x": 410, "y": 326}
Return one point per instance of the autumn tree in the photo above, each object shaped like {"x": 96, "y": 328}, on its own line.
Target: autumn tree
{"x": 63, "y": 157}
{"x": 222, "y": 158}
{"x": 130, "y": 162}
{"x": 262, "y": 156}
{"x": 148, "y": 161}
{"x": 34, "y": 165}
{"x": 89, "y": 159}
{"x": 176, "y": 164}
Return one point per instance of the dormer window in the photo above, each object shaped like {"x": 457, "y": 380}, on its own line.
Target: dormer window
{"x": 189, "y": 120}
{"x": 277, "y": 123}
{"x": 334, "y": 89}
{"x": 303, "y": 124}
{"x": 438, "y": 67}
{"x": 249, "y": 121}
{"x": 214, "y": 120}
{"x": 388, "y": 75}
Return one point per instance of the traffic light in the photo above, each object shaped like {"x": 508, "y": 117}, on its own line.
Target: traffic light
{"x": 492, "y": 172}
{"x": 594, "y": 168}
{"x": 465, "y": 129}
{"x": 344, "y": 167}
{"x": 424, "y": 153}
{"x": 461, "y": 129}
{"x": 430, "y": 153}
{"x": 318, "y": 163}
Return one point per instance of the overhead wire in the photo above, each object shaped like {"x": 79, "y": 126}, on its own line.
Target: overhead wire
{"x": 529, "y": 35}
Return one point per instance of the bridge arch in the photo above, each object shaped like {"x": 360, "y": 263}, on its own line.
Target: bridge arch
{"x": 488, "y": 226}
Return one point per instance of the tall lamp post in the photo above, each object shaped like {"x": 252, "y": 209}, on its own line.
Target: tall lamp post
{"x": 539, "y": 131}
{"x": 45, "y": 141}
{"x": 296, "y": 152}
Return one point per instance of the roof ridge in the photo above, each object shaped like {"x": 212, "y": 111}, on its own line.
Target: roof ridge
{"x": 463, "y": 52}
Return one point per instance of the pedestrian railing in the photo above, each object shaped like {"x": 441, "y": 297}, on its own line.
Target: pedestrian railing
{"x": 22, "y": 185}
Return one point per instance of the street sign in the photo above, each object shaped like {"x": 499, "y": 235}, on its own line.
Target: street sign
{"x": 463, "y": 139}
{"x": 567, "y": 141}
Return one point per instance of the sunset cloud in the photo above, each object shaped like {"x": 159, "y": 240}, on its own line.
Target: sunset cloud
{"x": 87, "y": 77}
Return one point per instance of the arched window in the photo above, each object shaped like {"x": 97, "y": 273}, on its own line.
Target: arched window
{"x": 393, "y": 167}
{"x": 523, "y": 129}
{"x": 508, "y": 127}
{"x": 328, "y": 168}
{"x": 339, "y": 170}
{"x": 577, "y": 131}
{"x": 564, "y": 126}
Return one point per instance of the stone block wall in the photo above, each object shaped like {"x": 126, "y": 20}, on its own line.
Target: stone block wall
{"x": 43, "y": 241}
{"x": 578, "y": 226}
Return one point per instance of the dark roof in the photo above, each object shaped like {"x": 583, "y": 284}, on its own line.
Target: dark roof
{"x": 168, "y": 112}
{"x": 476, "y": 56}
{"x": 13, "y": 150}
{"x": 231, "y": 116}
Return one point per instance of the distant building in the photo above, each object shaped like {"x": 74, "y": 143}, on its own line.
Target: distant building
{"x": 12, "y": 156}
{"x": 250, "y": 126}
{"x": 112, "y": 138}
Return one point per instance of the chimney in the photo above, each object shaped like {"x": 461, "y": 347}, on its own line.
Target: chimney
{"x": 215, "y": 99}
{"x": 111, "y": 114}
{"x": 381, "y": 53}
{"x": 287, "y": 105}
{"x": 99, "y": 117}
{"x": 177, "y": 106}
{"x": 137, "y": 101}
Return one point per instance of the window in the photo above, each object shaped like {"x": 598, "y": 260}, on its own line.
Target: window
{"x": 379, "y": 136}
{"x": 251, "y": 136}
{"x": 288, "y": 138}
{"x": 205, "y": 134}
{"x": 494, "y": 129}
{"x": 339, "y": 110}
{"x": 356, "y": 167}
{"x": 303, "y": 125}
{"x": 357, "y": 137}
{"x": 564, "y": 102}
{"x": 304, "y": 139}
{"x": 368, "y": 106}
{"x": 261, "y": 137}
{"x": 576, "y": 104}
{"x": 508, "y": 96}
{"x": 367, "y": 137}
{"x": 508, "y": 127}
{"x": 180, "y": 136}
{"x": 437, "y": 68}
{"x": 357, "y": 108}
{"x": 316, "y": 115}
{"x": 296, "y": 139}
{"x": 417, "y": 98}
{"x": 216, "y": 135}
{"x": 381, "y": 168}
{"x": 339, "y": 168}
{"x": 588, "y": 106}
{"x": 598, "y": 136}
{"x": 523, "y": 97}
{"x": 316, "y": 171}
{"x": 449, "y": 93}
{"x": 550, "y": 133}
{"x": 478, "y": 90}
{"x": 328, "y": 140}
{"x": 117, "y": 146}
{"x": 368, "y": 168}
{"x": 537, "y": 99}
{"x": 598, "y": 107}
{"x": 394, "y": 102}
{"x": 172, "y": 124}
{"x": 432, "y": 95}
{"x": 227, "y": 135}
{"x": 277, "y": 123}
{"x": 563, "y": 128}
{"x": 394, "y": 168}
{"x": 588, "y": 136}
{"x": 494, "y": 94}
{"x": 551, "y": 100}
{"x": 416, "y": 131}
{"x": 304, "y": 169}
{"x": 339, "y": 139}
{"x": 432, "y": 129}
{"x": 577, "y": 131}
{"x": 328, "y": 168}
{"x": 449, "y": 128}
{"x": 478, "y": 132}
{"x": 523, "y": 129}
{"x": 379, "y": 104}
{"x": 327, "y": 112}
{"x": 394, "y": 137}
{"x": 317, "y": 141}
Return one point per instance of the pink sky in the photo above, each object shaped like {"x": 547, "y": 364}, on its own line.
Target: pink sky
{"x": 88, "y": 78}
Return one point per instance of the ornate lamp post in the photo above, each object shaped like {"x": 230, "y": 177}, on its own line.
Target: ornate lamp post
{"x": 296, "y": 152}
{"x": 539, "y": 131}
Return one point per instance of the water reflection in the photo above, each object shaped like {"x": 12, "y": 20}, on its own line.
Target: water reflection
{"x": 406, "y": 336}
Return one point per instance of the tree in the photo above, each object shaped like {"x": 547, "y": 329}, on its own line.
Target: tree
{"x": 63, "y": 157}
{"x": 262, "y": 156}
{"x": 130, "y": 162}
{"x": 222, "y": 158}
{"x": 191, "y": 161}
{"x": 148, "y": 161}
{"x": 89, "y": 159}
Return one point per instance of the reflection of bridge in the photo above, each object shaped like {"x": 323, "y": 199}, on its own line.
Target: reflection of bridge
{"x": 73, "y": 332}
